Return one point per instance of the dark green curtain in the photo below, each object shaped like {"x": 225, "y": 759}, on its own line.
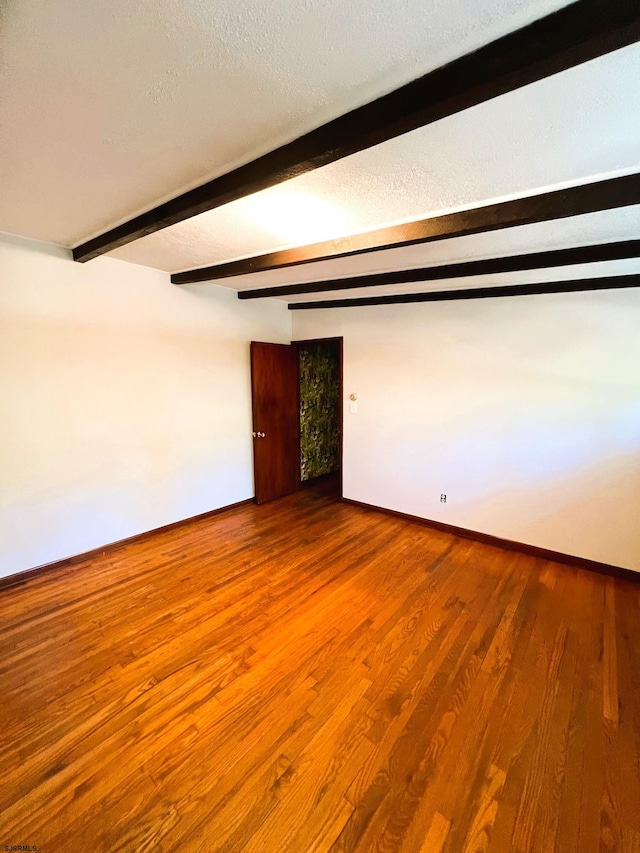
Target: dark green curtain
{"x": 319, "y": 410}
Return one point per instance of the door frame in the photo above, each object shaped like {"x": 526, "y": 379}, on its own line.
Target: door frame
{"x": 298, "y": 345}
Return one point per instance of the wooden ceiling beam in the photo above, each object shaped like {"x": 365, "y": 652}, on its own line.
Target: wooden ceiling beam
{"x": 575, "y": 34}
{"x": 557, "y": 204}
{"x": 575, "y": 286}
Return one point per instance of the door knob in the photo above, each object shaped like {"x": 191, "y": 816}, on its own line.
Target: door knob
{"x": 258, "y": 434}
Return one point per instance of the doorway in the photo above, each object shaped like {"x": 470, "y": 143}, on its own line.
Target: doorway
{"x": 320, "y": 409}
{"x": 297, "y": 415}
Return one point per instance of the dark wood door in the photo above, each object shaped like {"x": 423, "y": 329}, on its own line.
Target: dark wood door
{"x": 274, "y": 388}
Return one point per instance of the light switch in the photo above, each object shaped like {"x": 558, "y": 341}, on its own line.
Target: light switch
{"x": 353, "y": 407}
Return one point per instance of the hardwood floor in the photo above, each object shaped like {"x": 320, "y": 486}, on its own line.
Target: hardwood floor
{"x": 311, "y": 676}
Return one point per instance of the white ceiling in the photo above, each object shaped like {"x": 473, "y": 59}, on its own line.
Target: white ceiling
{"x": 567, "y": 129}
{"x": 109, "y": 109}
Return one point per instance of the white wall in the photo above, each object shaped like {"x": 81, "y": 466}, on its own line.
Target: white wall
{"x": 524, "y": 411}
{"x": 125, "y": 405}
{"x": 124, "y": 401}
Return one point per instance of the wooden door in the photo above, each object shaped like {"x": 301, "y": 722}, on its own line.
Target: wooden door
{"x": 274, "y": 388}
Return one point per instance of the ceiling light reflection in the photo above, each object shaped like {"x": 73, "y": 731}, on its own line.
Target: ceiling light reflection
{"x": 295, "y": 217}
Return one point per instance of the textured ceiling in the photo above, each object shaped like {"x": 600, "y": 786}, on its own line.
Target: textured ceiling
{"x": 108, "y": 109}
{"x": 582, "y": 123}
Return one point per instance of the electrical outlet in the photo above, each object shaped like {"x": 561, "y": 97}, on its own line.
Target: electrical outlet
{"x": 443, "y": 499}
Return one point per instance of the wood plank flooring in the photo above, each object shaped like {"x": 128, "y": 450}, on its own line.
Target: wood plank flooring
{"x": 311, "y": 676}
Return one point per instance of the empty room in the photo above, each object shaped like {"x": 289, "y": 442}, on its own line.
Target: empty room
{"x": 320, "y": 426}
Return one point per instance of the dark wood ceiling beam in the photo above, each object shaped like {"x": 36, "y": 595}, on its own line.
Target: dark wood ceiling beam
{"x": 557, "y": 204}
{"x": 580, "y": 32}
{"x": 487, "y": 266}
{"x": 579, "y": 285}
